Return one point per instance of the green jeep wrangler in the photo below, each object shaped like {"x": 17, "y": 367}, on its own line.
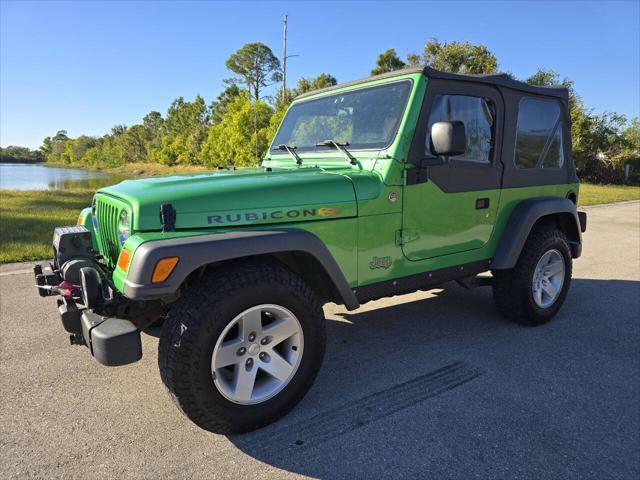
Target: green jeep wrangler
{"x": 374, "y": 188}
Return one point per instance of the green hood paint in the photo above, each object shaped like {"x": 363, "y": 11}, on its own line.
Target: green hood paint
{"x": 244, "y": 197}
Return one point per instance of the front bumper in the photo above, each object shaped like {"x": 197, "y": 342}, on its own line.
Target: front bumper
{"x": 111, "y": 341}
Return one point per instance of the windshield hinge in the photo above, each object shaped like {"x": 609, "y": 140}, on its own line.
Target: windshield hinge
{"x": 406, "y": 235}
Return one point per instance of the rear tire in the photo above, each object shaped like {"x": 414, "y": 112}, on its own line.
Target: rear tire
{"x": 209, "y": 317}
{"x": 524, "y": 294}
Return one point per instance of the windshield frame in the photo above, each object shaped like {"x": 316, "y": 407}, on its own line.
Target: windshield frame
{"x": 317, "y": 149}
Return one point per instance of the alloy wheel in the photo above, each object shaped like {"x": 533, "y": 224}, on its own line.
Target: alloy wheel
{"x": 257, "y": 354}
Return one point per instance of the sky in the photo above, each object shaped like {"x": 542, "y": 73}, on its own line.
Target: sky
{"x": 86, "y": 66}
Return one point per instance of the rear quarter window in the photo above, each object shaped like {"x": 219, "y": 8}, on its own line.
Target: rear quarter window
{"x": 539, "y": 134}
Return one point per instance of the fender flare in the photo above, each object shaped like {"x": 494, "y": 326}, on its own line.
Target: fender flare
{"x": 197, "y": 251}
{"x": 523, "y": 217}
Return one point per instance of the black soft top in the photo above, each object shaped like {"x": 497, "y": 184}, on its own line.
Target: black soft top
{"x": 497, "y": 79}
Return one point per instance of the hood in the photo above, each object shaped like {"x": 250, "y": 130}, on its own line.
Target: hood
{"x": 239, "y": 197}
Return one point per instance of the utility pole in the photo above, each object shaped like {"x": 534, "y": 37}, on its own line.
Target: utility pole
{"x": 284, "y": 60}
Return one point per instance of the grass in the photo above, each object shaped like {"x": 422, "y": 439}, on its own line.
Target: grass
{"x": 598, "y": 194}
{"x": 27, "y": 218}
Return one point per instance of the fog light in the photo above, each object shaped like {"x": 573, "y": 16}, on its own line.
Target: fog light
{"x": 163, "y": 269}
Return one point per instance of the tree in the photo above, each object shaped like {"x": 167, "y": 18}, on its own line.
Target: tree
{"x": 388, "y": 61}
{"x": 548, "y": 78}
{"x": 184, "y": 132}
{"x": 47, "y": 145}
{"x": 13, "y": 154}
{"x": 255, "y": 66}
{"x": 55, "y": 146}
{"x": 455, "y": 57}
{"x": 220, "y": 106}
{"x": 75, "y": 149}
{"x": 232, "y": 141}
{"x": 306, "y": 85}
{"x": 631, "y": 138}
{"x": 152, "y": 123}
{"x": 60, "y": 137}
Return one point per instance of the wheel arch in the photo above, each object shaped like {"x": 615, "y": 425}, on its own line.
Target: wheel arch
{"x": 553, "y": 212}
{"x": 303, "y": 264}
{"x": 297, "y": 250}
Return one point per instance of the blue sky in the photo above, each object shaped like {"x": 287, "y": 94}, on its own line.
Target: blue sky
{"x": 86, "y": 66}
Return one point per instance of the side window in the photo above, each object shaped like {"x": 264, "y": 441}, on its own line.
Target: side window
{"x": 554, "y": 158}
{"x": 539, "y": 134}
{"x": 478, "y": 116}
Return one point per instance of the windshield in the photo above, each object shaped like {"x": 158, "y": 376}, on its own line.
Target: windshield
{"x": 367, "y": 118}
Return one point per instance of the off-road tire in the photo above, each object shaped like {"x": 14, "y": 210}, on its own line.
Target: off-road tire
{"x": 198, "y": 318}
{"x": 512, "y": 289}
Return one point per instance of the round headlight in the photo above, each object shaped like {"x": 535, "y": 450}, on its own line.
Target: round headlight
{"x": 94, "y": 216}
{"x": 124, "y": 227}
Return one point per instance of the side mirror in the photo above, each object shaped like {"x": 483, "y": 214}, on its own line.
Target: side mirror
{"x": 448, "y": 139}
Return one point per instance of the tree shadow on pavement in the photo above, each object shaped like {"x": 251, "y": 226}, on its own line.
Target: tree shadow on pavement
{"x": 434, "y": 387}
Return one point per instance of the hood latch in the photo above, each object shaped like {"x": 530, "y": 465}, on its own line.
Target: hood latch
{"x": 167, "y": 217}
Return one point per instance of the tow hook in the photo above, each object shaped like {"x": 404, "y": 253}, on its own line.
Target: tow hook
{"x": 66, "y": 289}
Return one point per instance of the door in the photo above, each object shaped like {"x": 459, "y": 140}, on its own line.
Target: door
{"x": 450, "y": 208}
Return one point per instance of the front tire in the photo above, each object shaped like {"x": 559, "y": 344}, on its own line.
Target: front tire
{"x": 242, "y": 347}
{"x": 533, "y": 291}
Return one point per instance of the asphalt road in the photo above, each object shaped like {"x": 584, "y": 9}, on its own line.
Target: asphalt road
{"x": 430, "y": 385}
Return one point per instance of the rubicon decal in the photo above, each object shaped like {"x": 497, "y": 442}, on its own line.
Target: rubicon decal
{"x": 267, "y": 216}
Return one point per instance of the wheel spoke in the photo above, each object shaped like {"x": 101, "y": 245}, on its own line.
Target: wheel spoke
{"x": 277, "y": 367}
{"x": 545, "y": 259}
{"x": 550, "y": 289}
{"x": 251, "y": 322}
{"x": 244, "y": 381}
{"x": 554, "y": 268}
{"x": 280, "y": 330}
{"x": 227, "y": 354}
{"x": 538, "y": 296}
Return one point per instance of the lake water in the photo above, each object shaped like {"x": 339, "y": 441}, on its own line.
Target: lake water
{"x": 33, "y": 176}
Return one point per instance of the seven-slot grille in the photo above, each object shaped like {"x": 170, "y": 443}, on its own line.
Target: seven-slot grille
{"x": 108, "y": 216}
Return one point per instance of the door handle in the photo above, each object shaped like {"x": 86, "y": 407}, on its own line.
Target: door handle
{"x": 482, "y": 203}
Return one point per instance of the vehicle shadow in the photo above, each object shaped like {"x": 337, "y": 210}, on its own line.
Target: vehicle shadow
{"x": 381, "y": 374}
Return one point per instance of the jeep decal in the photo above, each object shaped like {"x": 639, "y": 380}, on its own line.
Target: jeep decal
{"x": 380, "y": 262}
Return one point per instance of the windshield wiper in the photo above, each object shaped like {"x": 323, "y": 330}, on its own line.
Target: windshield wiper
{"x": 291, "y": 150}
{"x": 340, "y": 147}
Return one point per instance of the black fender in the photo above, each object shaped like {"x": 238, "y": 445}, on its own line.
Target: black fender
{"x": 525, "y": 215}
{"x": 201, "y": 250}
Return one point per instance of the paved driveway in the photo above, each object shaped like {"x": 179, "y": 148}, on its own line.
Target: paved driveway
{"x": 431, "y": 385}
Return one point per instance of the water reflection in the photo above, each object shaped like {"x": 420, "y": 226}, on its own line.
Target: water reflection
{"x": 22, "y": 176}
